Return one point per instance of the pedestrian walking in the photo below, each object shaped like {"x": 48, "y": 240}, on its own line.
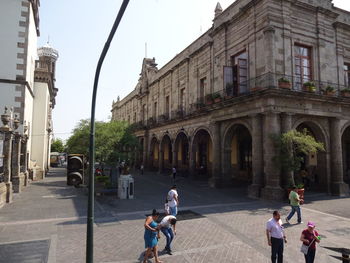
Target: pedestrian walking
{"x": 309, "y": 237}
{"x": 166, "y": 207}
{"x": 141, "y": 169}
{"x": 167, "y": 226}
{"x": 295, "y": 204}
{"x": 276, "y": 237}
{"x": 174, "y": 174}
{"x": 173, "y": 200}
{"x": 151, "y": 237}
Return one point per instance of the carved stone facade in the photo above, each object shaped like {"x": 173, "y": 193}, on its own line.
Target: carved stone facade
{"x": 265, "y": 67}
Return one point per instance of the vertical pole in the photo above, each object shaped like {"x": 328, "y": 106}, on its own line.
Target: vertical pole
{"x": 90, "y": 218}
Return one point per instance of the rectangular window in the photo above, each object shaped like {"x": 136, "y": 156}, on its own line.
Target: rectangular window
{"x": 182, "y": 99}
{"x": 155, "y": 111}
{"x": 144, "y": 113}
{"x": 302, "y": 65}
{"x": 202, "y": 88}
{"x": 347, "y": 75}
{"x": 239, "y": 73}
{"x": 167, "y": 105}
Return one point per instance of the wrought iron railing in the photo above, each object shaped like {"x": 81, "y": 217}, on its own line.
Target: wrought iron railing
{"x": 251, "y": 86}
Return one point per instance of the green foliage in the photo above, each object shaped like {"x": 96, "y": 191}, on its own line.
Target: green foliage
{"x": 291, "y": 146}
{"x": 102, "y": 179}
{"x": 284, "y": 79}
{"x": 57, "y": 146}
{"x": 309, "y": 84}
{"x": 113, "y": 141}
{"x": 216, "y": 95}
{"x": 300, "y": 186}
{"x": 329, "y": 89}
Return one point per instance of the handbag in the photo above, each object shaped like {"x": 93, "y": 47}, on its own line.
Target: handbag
{"x": 304, "y": 248}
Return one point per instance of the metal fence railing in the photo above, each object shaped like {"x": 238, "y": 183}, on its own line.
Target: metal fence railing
{"x": 263, "y": 82}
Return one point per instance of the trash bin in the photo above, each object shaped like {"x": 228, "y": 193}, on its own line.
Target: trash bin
{"x": 126, "y": 187}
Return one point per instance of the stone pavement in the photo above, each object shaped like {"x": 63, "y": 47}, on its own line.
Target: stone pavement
{"x": 47, "y": 223}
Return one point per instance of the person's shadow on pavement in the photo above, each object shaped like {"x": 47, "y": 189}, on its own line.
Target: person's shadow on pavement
{"x": 142, "y": 255}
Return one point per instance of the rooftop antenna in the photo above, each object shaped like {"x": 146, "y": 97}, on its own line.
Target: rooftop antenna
{"x": 48, "y": 39}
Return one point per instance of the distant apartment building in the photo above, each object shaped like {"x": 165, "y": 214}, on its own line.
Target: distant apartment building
{"x": 264, "y": 67}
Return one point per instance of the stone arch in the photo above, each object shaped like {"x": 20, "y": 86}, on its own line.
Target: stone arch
{"x": 154, "y": 154}
{"x": 315, "y": 165}
{"x": 181, "y": 152}
{"x": 202, "y": 152}
{"x": 166, "y": 153}
{"x": 345, "y": 141}
{"x": 237, "y": 153}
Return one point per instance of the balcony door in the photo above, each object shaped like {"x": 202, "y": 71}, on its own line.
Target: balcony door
{"x": 239, "y": 73}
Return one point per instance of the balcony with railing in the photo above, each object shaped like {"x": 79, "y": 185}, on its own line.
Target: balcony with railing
{"x": 231, "y": 93}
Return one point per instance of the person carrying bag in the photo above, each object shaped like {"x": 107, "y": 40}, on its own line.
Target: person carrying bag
{"x": 309, "y": 237}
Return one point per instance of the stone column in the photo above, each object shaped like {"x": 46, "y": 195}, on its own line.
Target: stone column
{"x": 271, "y": 126}
{"x": 257, "y": 157}
{"x": 216, "y": 179}
{"x": 7, "y": 149}
{"x": 16, "y": 176}
{"x": 337, "y": 182}
{"x": 287, "y": 176}
{"x": 24, "y": 169}
{"x": 191, "y": 164}
{"x": 24, "y": 165}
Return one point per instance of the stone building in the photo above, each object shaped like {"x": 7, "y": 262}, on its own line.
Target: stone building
{"x": 27, "y": 90}
{"x": 263, "y": 68}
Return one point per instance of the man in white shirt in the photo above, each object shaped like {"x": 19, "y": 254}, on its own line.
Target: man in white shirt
{"x": 173, "y": 200}
{"x": 165, "y": 226}
{"x": 276, "y": 237}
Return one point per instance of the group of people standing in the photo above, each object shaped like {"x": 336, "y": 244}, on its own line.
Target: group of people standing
{"x": 167, "y": 226}
{"x": 276, "y": 236}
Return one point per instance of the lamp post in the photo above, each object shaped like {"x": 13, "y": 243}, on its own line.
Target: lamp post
{"x": 90, "y": 217}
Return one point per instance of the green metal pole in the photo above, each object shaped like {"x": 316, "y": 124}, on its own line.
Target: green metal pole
{"x": 90, "y": 218}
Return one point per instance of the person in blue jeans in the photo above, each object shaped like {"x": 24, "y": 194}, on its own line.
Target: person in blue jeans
{"x": 167, "y": 225}
{"x": 173, "y": 200}
{"x": 295, "y": 204}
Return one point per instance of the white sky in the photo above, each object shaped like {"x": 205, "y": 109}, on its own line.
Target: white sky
{"x": 78, "y": 29}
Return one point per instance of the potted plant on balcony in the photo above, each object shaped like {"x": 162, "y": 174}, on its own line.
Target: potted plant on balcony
{"x": 229, "y": 90}
{"x": 284, "y": 83}
{"x": 309, "y": 86}
{"x": 290, "y": 147}
{"x": 345, "y": 92}
{"x": 329, "y": 91}
{"x": 216, "y": 97}
{"x": 209, "y": 99}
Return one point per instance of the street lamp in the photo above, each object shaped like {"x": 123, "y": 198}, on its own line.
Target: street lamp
{"x": 90, "y": 217}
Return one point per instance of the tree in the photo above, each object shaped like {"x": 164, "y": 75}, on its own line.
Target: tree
{"x": 290, "y": 148}
{"x": 113, "y": 141}
{"x": 57, "y": 146}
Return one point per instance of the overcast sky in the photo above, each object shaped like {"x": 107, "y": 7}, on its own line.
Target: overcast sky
{"x": 78, "y": 29}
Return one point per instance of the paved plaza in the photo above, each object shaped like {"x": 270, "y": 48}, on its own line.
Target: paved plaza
{"x": 47, "y": 223}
